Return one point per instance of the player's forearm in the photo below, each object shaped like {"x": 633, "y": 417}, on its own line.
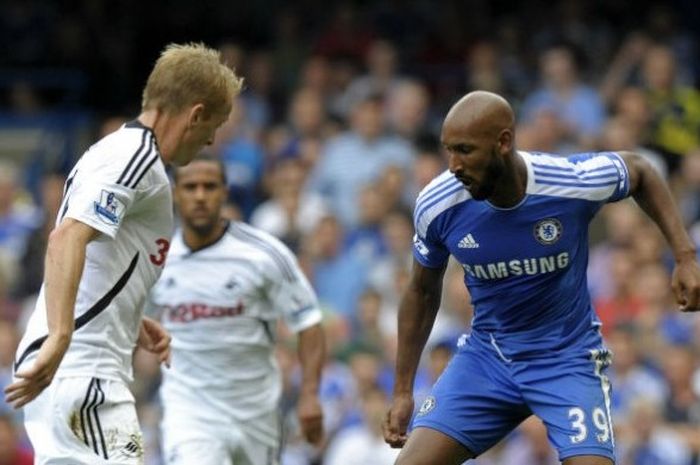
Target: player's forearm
{"x": 416, "y": 316}
{"x": 65, "y": 259}
{"x": 654, "y": 197}
{"x": 312, "y": 354}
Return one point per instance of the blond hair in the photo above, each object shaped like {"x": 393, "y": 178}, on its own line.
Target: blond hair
{"x": 188, "y": 74}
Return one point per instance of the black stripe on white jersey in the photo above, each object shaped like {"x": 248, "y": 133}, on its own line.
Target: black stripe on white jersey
{"x": 98, "y": 425}
{"x": 134, "y": 157}
{"x": 280, "y": 437}
{"x": 151, "y": 155}
{"x": 91, "y": 428}
{"x": 268, "y": 330}
{"x": 87, "y": 412}
{"x": 83, "y": 422}
{"x": 145, "y": 170}
{"x": 276, "y": 255}
{"x": 66, "y": 195}
{"x": 91, "y": 313}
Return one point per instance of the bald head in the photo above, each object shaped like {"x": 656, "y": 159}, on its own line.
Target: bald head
{"x": 480, "y": 112}
{"x": 478, "y": 136}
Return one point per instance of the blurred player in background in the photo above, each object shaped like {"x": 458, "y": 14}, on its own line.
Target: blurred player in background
{"x": 223, "y": 290}
{"x": 108, "y": 248}
{"x": 518, "y": 224}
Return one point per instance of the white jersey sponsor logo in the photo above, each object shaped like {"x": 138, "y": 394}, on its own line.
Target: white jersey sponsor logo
{"x": 526, "y": 266}
{"x": 221, "y": 304}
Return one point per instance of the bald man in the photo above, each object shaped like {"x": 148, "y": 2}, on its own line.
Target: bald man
{"x": 517, "y": 223}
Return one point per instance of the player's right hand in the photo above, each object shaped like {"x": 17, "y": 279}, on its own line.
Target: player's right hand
{"x": 310, "y": 418}
{"x": 685, "y": 283}
{"x": 396, "y": 421}
{"x": 32, "y": 381}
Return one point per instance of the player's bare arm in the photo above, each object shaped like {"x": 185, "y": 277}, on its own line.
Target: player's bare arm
{"x": 417, "y": 311}
{"x": 312, "y": 353}
{"x": 653, "y": 196}
{"x": 65, "y": 258}
{"x": 155, "y": 339}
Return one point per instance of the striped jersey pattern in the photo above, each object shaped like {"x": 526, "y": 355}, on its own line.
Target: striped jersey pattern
{"x": 580, "y": 176}
{"x": 142, "y": 160}
{"x": 440, "y": 194}
{"x": 120, "y": 188}
{"x": 524, "y": 265}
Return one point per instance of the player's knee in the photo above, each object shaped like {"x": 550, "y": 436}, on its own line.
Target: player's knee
{"x": 411, "y": 460}
{"x": 433, "y": 456}
{"x": 587, "y": 460}
{"x": 405, "y": 459}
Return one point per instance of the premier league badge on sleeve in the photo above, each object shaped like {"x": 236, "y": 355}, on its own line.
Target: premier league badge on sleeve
{"x": 109, "y": 209}
{"x": 548, "y": 231}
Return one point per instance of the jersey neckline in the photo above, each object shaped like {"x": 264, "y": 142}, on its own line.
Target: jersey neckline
{"x": 525, "y": 156}
{"x": 191, "y": 251}
{"x": 136, "y": 124}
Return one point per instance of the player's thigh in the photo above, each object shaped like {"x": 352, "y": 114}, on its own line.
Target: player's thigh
{"x": 198, "y": 450}
{"x": 50, "y": 434}
{"x": 572, "y": 397}
{"x": 259, "y": 440}
{"x": 85, "y": 421}
{"x": 588, "y": 460}
{"x": 474, "y": 402}
{"x": 188, "y": 439}
{"x": 428, "y": 446}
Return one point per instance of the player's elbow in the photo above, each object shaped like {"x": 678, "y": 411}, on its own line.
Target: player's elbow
{"x": 56, "y": 239}
{"x": 638, "y": 168}
{"x": 633, "y": 159}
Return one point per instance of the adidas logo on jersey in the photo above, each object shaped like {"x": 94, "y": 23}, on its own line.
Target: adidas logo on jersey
{"x": 468, "y": 242}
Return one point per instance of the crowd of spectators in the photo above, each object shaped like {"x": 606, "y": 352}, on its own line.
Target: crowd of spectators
{"x": 335, "y": 134}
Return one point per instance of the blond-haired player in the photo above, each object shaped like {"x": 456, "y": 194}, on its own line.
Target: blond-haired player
{"x": 108, "y": 248}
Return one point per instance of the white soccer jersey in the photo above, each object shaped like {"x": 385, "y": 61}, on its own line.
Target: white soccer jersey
{"x": 120, "y": 188}
{"x": 221, "y": 305}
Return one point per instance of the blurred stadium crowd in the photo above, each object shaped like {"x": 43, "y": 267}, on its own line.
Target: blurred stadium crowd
{"x": 335, "y": 134}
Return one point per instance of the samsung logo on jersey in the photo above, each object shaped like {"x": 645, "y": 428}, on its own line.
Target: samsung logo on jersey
{"x": 527, "y": 266}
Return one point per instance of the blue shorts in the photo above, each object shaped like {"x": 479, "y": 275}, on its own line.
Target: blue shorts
{"x": 482, "y": 396}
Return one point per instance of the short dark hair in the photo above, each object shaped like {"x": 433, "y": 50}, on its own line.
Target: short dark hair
{"x": 205, "y": 157}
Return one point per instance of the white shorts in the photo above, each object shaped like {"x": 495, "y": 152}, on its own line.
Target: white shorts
{"x": 188, "y": 441}
{"x": 84, "y": 421}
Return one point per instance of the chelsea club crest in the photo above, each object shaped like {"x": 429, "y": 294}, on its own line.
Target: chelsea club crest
{"x": 548, "y": 231}
{"x": 427, "y": 406}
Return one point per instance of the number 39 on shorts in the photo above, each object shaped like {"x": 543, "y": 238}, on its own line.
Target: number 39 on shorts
{"x": 161, "y": 253}
{"x": 578, "y": 423}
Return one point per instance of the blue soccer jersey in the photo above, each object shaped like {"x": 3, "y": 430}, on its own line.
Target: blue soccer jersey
{"x": 525, "y": 266}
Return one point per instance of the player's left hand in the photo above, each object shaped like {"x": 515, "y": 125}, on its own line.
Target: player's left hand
{"x": 686, "y": 285}
{"x": 32, "y": 381}
{"x": 155, "y": 339}
{"x": 310, "y": 418}
{"x": 397, "y": 418}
